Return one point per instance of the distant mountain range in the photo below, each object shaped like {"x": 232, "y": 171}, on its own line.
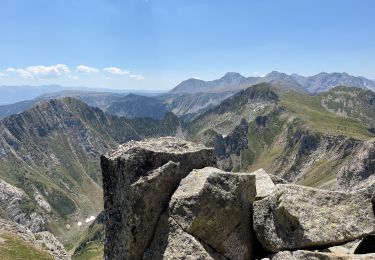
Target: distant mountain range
{"x": 119, "y": 104}
{"x": 312, "y": 84}
{"x": 187, "y": 100}
{"x": 12, "y": 94}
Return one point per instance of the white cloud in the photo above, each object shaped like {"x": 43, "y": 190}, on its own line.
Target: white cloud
{"x": 86, "y": 69}
{"x": 2, "y": 75}
{"x": 41, "y": 72}
{"x": 62, "y": 70}
{"x": 53, "y": 71}
{"x": 20, "y": 72}
{"x": 137, "y": 77}
{"x": 116, "y": 71}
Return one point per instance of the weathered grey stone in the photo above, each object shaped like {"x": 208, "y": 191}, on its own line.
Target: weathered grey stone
{"x": 264, "y": 184}
{"x": 359, "y": 172}
{"x": 49, "y": 242}
{"x": 138, "y": 180}
{"x": 42, "y": 202}
{"x": 277, "y": 180}
{"x": 296, "y": 217}
{"x": 172, "y": 242}
{"x": 214, "y": 206}
{"x": 310, "y": 255}
{"x": 11, "y": 199}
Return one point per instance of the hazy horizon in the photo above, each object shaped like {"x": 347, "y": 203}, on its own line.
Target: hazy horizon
{"x": 156, "y": 90}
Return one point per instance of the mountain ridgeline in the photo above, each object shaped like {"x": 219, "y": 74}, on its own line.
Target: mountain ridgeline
{"x": 191, "y": 97}
{"x": 312, "y": 84}
{"x": 290, "y": 134}
{"x": 50, "y": 147}
{"x": 51, "y": 153}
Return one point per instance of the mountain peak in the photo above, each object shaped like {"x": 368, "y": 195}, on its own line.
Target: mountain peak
{"x": 232, "y": 76}
{"x": 275, "y": 73}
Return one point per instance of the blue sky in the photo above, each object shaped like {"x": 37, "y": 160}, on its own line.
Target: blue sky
{"x": 155, "y": 44}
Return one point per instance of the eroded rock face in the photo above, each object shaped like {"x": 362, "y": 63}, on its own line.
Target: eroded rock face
{"x": 359, "y": 172}
{"x": 138, "y": 180}
{"x": 162, "y": 202}
{"x": 214, "y": 206}
{"x": 11, "y": 199}
{"x": 297, "y": 217}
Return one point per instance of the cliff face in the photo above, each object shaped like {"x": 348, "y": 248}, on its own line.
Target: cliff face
{"x": 138, "y": 181}
{"x": 162, "y": 202}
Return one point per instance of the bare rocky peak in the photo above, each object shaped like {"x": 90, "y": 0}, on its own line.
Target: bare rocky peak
{"x": 138, "y": 180}
{"x": 156, "y": 145}
{"x": 315, "y": 83}
{"x": 163, "y": 203}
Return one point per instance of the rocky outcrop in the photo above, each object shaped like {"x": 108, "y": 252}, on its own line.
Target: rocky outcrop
{"x": 296, "y": 217}
{"x": 163, "y": 203}
{"x": 138, "y": 180}
{"x": 359, "y": 172}
{"x": 214, "y": 206}
{"x": 12, "y": 200}
{"x": 229, "y": 146}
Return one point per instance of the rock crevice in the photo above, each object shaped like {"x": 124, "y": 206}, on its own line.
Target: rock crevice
{"x": 138, "y": 180}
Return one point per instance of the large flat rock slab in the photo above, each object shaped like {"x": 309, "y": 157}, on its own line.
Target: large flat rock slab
{"x": 138, "y": 180}
{"x": 215, "y": 207}
{"x": 297, "y": 217}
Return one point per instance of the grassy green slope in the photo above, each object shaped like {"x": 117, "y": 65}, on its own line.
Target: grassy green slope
{"x": 300, "y": 140}
{"x": 316, "y": 118}
{"x": 14, "y": 248}
{"x": 92, "y": 241}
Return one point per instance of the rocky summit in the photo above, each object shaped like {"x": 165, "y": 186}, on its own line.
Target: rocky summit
{"x": 165, "y": 200}
{"x": 138, "y": 181}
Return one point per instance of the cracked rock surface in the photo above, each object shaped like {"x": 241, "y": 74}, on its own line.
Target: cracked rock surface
{"x": 164, "y": 200}
{"x": 214, "y": 206}
{"x": 296, "y": 217}
{"x": 138, "y": 180}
